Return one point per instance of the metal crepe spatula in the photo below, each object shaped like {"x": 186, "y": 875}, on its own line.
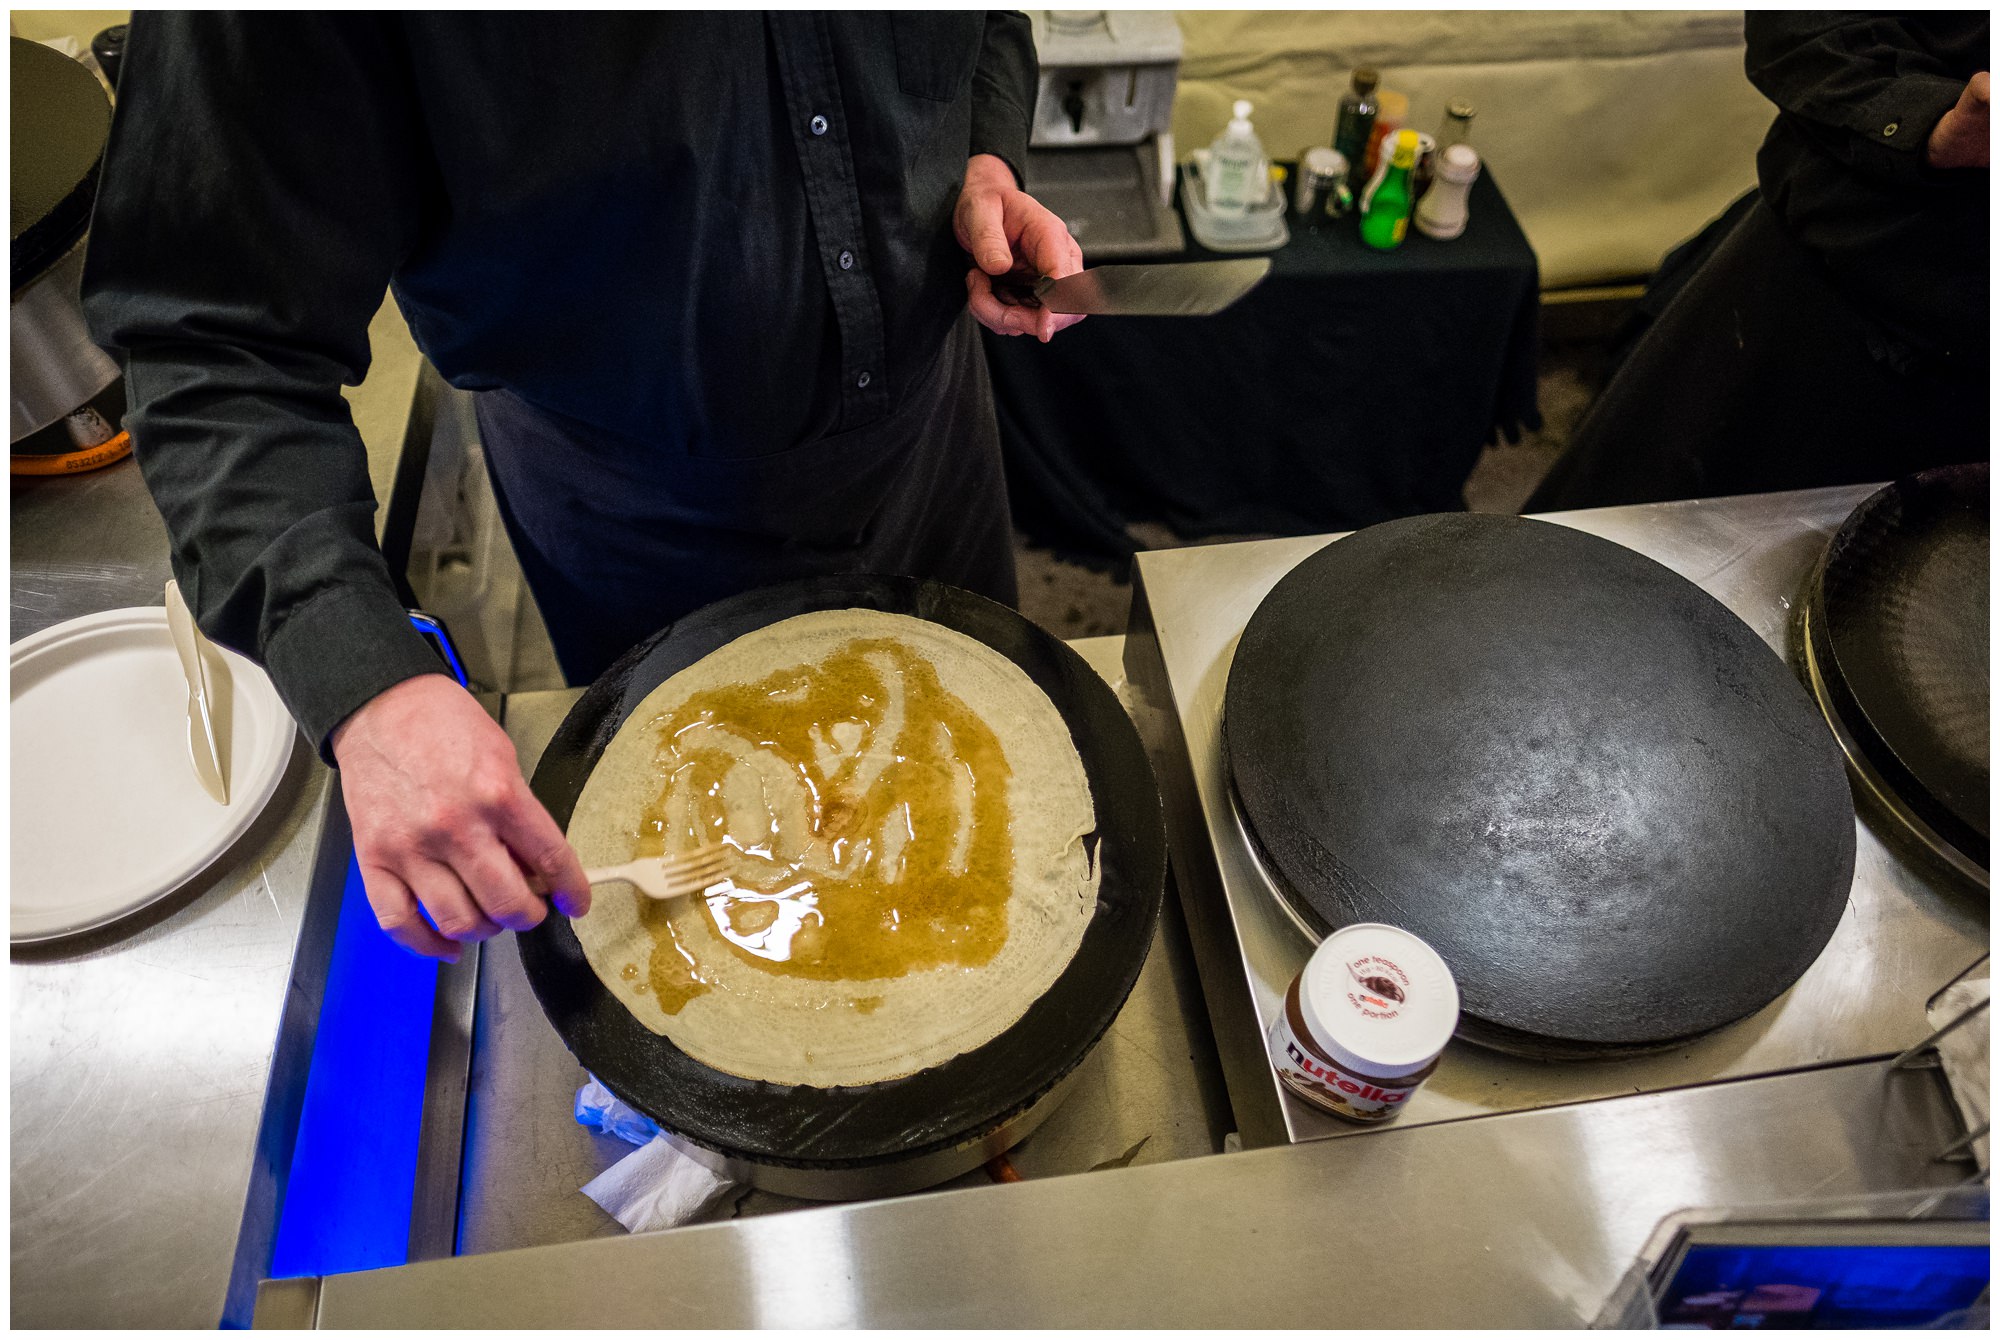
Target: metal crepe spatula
{"x": 1190, "y": 288}
{"x": 208, "y": 762}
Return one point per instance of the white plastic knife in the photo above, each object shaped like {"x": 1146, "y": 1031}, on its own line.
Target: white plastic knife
{"x": 208, "y": 762}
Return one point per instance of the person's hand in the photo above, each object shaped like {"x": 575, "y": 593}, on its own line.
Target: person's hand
{"x": 443, "y": 818}
{"x": 1959, "y": 138}
{"x": 1008, "y": 231}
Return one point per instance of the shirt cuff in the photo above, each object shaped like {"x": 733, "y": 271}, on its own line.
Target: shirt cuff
{"x": 1892, "y": 140}
{"x": 1006, "y": 142}
{"x": 339, "y": 650}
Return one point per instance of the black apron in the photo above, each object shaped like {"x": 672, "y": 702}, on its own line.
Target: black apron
{"x": 619, "y": 537}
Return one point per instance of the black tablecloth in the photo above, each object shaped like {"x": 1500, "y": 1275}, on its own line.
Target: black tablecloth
{"x": 1350, "y": 387}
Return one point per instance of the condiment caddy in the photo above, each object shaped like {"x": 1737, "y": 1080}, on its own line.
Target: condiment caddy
{"x": 1408, "y": 179}
{"x": 1232, "y": 205}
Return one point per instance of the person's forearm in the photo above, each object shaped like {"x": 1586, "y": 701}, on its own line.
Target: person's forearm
{"x": 242, "y": 240}
{"x": 1003, "y": 91}
{"x": 263, "y": 484}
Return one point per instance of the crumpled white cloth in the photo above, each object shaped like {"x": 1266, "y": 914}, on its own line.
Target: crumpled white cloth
{"x": 656, "y": 1186}
{"x": 1966, "y": 1054}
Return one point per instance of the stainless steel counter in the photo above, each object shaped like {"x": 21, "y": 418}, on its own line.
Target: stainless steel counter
{"x": 80, "y": 544}
{"x": 1154, "y": 1078}
{"x": 146, "y": 1061}
{"x": 158, "y": 1065}
{"x": 158, "y": 1068}
{"x": 144, "y": 1054}
{"x": 1909, "y": 926}
{"x": 1521, "y": 1220}
{"x": 1525, "y": 1218}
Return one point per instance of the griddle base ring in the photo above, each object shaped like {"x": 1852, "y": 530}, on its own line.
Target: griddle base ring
{"x": 870, "y": 1181}
{"x": 1478, "y": 1032}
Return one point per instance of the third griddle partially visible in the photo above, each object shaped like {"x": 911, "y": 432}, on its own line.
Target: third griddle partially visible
{"x": 1897, "y": 620}
{"x": 1594, "y": 790}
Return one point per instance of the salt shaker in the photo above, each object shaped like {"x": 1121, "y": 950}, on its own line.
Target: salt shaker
{"x": 1442, "y": 212}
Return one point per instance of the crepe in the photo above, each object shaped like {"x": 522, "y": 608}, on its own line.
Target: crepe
{"x": 906, "y": 818}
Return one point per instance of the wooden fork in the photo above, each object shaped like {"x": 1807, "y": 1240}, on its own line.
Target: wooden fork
{"x": 674, "y": 876}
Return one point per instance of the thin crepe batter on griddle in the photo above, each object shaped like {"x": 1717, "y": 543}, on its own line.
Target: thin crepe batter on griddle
{"x": 906, "y": 814}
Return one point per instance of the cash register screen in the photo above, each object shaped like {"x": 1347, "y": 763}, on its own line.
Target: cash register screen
{"x": 1824, "y": 1275}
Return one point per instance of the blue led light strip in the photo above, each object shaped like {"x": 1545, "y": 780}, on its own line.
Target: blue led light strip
{"x": 354, "y": 1171}
{"x": 352, "y": 1187}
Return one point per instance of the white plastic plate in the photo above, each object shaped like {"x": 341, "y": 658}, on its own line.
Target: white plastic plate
{"x": 108, "y": 815}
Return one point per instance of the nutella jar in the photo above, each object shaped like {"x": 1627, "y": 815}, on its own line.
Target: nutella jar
{"x": 1364, "y": 1022}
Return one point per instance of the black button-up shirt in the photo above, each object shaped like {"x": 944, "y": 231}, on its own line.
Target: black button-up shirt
{"x": 727, "y": 232}
{"x": 1843, "y": 167}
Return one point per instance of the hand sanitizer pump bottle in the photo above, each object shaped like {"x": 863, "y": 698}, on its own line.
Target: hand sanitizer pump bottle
{"x": 1237, "y": 177}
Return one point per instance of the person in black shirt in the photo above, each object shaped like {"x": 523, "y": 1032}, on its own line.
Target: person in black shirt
{"x": 1833, "y": 328}
{"x": 707, "y": 272}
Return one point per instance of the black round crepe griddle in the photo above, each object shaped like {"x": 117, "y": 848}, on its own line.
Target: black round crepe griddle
{"x": 947, "y": 1105}
{"x": 60, "y": 121}
{"x": 1897, "y": 621}
{"x": 1589, "y": 786}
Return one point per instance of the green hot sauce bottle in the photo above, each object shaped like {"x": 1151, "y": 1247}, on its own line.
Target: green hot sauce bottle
{"x": 1385, "y": 215}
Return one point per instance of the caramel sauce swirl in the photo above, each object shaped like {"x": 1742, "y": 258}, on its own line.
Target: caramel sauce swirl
{"x": 887, "y": 848}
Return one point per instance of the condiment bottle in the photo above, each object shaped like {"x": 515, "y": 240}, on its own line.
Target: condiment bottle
{"x": 1457, "y": 127}
{"x": 1420, "y": 178}
{"x": 1364, "y": 1022}
{"x": 1385, "y": 213}
{"x": 1394, "y": 110}
{"x": 1444, "y": 210}
{"x": 1356, "y": 119}
{"x": 1321, "y": 190}
{"x": 1237, "y": 177}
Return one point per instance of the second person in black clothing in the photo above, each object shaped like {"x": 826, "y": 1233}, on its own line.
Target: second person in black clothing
{"x": 1836, "y": 329}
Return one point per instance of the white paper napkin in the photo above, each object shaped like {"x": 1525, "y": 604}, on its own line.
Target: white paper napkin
{"x": 656, "y": 1186}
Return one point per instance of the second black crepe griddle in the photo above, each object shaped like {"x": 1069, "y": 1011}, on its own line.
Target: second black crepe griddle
{"x": 1898, "y": 634}
{"x": 950, "y": 1106}
{"x": 1593, "y": 789}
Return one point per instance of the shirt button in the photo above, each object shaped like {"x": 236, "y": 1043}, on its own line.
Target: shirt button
{"x": 1892, "y": 128}
{"x": 819, "y": 125}
{"x": 861, "y": 382}
{"x": 847, "y": 260}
